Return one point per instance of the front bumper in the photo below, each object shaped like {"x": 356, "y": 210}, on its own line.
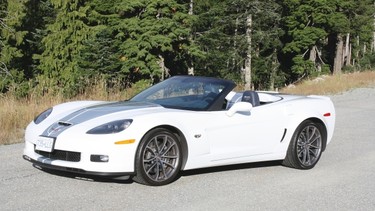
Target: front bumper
{"x": 45, "y": 163}
{"x": 82, "y": 157}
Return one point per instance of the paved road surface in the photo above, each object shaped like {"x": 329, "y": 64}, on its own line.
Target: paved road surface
{"x": 344, "y": 178}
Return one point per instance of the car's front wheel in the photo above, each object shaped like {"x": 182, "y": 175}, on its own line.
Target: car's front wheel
{"x": 305, "y": 148}
{"x": 158, "y": 158}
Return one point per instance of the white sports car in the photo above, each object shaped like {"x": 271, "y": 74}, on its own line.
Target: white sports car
{"x": 184, "y": 122}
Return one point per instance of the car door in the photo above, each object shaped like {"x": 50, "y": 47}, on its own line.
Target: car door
{"x": 245, "y": 134}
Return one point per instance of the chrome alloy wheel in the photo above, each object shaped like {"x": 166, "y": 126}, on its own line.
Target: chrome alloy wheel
{"x": 309, "y": 145}
{"x": 161, "y": 157}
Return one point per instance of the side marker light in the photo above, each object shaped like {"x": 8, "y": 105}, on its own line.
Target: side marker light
{"x": 129, "y": 141}
{"x": 327, "y": 114}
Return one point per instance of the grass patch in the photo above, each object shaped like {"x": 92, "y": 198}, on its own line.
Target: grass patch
{"x": 15, "y": 113}
{"x": 333, "y": 84}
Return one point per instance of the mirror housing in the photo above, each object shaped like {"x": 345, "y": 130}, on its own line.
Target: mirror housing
{"x": 239, "y": 107}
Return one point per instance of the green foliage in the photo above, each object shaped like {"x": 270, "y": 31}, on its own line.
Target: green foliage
{"x": 141, "y": 85}
{"x": 99, "y": 54}
{"x": 22, "y": 33}
{"x": 307, "y": 24}
{"x": 11, "y": 39}
{"x": 367, "y": 62}
{"x": 59, "y": 46}
{"x": 220, "y": 30}
{"x": 317, "y": 24}
{"x": 302, "y": 67}
{"x": 62, "y": 45}
{"x": 150, "y": 32}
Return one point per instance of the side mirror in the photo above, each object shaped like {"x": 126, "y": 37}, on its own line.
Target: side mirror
{"x": 239, "y": 107}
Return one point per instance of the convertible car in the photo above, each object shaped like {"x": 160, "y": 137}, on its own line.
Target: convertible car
{"x": 184, "y": 122}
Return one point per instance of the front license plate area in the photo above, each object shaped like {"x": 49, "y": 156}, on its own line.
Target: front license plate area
{"x": 45, "y": 144}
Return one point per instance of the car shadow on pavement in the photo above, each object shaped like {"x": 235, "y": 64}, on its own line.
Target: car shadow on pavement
{"x": 230, "y": 168}
{"x": 186, "y": 173}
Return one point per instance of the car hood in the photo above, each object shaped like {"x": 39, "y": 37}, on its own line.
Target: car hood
{"x": 92, "y": 112}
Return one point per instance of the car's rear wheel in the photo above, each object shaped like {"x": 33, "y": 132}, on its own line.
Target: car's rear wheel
{"x": 158, "y": 158}
{"x": 305, "y": 147}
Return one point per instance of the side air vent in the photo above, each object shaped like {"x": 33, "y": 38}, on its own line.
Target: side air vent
{"x": 282, "y": 139}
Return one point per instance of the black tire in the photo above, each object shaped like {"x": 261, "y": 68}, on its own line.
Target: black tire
{"x": 305, "y": 147}
{"x": 158, "y": 158}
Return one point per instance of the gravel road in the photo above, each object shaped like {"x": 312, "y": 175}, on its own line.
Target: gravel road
{"x": 344, "y": 178}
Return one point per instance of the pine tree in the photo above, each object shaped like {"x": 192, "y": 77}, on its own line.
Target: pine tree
{"x": 307, "y": 23}
{"x": 22, "y": 35}
{"x": 100, "y": 54}
{"x": 155, "y": 37}
{"x": 4, "y": 72}
{"x": 322, "y": 33}
{"x": 62, "y": 44}
{"x": 59, "y": 45}
{"x": 359, "y": 49}
{"x": 12, "y": 37}
{"x": 223, "y": 33}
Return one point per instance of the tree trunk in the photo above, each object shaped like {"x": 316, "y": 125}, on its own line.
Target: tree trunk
{"x": 274, "y": 69}
{"x": 164, "y": 69}
{"x": 346, "y": 57}
{"x": 315, "y": 57}
{"x": 312, "y": 56}
{"x": 364, "y": 49}
{"x": 373, "y": 38}
{"x": 356, "y": 57}
{"x": 191, "y": 69}
{"x": 350, "y": 55}
{"x": 234, "y": 62}
{"x": 338, "y": 62}
{"x": 249, "y": 21}
{"x": 191, "y": 39}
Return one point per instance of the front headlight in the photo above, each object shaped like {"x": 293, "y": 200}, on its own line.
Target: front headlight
{"x": 43, "y": 116}
{"x": 111, "y": 127}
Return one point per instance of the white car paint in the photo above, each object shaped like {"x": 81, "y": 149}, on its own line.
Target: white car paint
{"x": 241, "y": 133}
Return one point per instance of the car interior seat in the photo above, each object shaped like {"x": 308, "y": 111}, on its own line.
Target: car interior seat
{"x": 251, "y": 97}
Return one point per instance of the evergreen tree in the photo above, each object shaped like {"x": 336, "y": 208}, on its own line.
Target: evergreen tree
{"x": 12, "y": 37}
{"x": 22, "y": 36}
{"x": 100, "y": 55}
{"x": 320, "y": 35}
{"x": 154, "y": 38}
{"x": 360, "y": 50}
{"x": 39, "y": 13}
{"x": 306, "y": 24}
{"x": 56, "y": 45}
{"x": 4, "y": 72}
{"x": 58, "y": 63}
{"x": 221, "y": 31}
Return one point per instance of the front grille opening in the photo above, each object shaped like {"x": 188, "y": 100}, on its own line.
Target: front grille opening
{"x": 61, "y": 155}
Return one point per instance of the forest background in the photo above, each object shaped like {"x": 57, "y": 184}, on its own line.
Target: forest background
{"x": 53, "y": 51}
{"x": 67, "y": 46}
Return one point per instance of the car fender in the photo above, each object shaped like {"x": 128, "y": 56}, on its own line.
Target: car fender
{"x": 298, "y": 111}
{"x": 193, "y": 137}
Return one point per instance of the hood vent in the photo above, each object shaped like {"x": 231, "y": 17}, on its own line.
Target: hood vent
{"x": 64, "y": 123}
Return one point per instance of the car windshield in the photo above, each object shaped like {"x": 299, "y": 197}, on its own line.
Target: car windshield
{"x": 188, "y": 92}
